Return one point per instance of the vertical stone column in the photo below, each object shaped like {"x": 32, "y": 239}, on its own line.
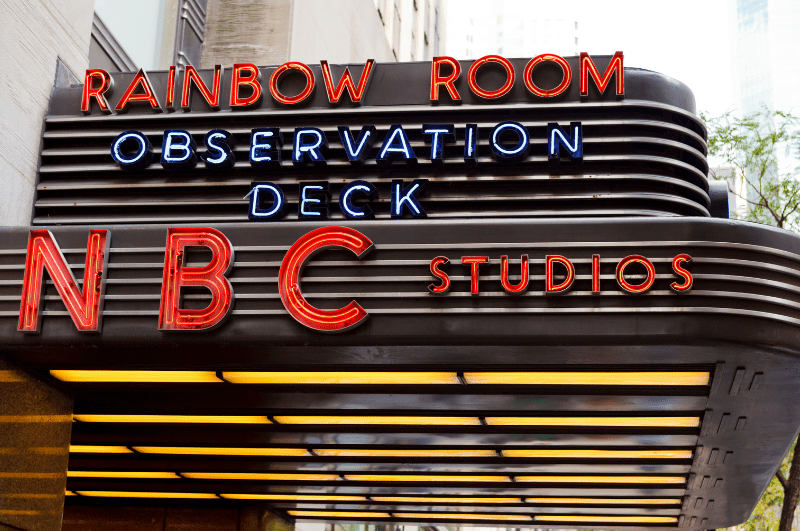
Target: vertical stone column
{"x": 35, "y": 429}
{"x": 36, "y": 33}
{"x": 247, "y": 31}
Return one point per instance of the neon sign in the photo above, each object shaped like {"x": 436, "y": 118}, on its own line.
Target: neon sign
{"x": 635, "y": 274}
{"x": 246, "y": 90}
{"x": 509, "y": 143}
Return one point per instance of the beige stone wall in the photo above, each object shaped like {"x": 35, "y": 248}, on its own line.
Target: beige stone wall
{"x": 34, "y": 449}
{"x": 34, "y": 34}
{"x": 275, "y": 31}
{"x": 247, "y": 31}
{"x": 343, "y": 31}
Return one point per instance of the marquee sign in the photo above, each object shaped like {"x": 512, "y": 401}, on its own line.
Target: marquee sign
{"x": 98, "y": 84}
{"x": 416, "y": 293}
{"x": 509, "y": 141}
{"x": 86, "y": 307}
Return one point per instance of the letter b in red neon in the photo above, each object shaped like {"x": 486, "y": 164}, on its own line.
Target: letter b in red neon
{"x": 211, "y": 276}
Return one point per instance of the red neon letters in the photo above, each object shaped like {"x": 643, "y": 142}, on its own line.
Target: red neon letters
{"x": 686, "y": 285}
{"x": 491, "y": 94}
{"x": 589, "y": 69}
{"x": 147, "y": 94}
{"x": 334, "y": 94}
{"x": 285, "y": 69}
{"x": 85, "y": 308}
{"x": 170, "y": 101}
{"x": 444, "y": 287}
{"x": 522, "y": 285}
{"x": 648, "y": 281}
{"x": 595, "y": 273}
{"x": 190, "y": 76}
{"x": 438, "y": 79}
{"x": 252, "y": 80}
{"x": 212, "y": 276}
{"x": 475, "y": 264}
{"x": 551, "y": 286}
{"x": 91, "y": 89}
{"x": 565, "y": 81}
{"x": 292, "y": 267}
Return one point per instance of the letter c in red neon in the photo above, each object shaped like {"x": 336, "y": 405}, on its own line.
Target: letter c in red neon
{"x": 331, "y": 321}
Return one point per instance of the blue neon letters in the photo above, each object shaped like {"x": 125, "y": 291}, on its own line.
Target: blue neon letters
{"x": 277, "y": 205}
{"x": 352, "y": 190}
{"x": 265, "y": 148}
{"x": 396, "y": 147}
{"x": 404, "y": 198}
{"x": 572, "y": 141}
{"x": 309, "y": 144}
{"x": 509, "y": 143}
{"x": 132, "y": 151}
{"x": 439, "y": 135}
{"x": 219, "y": 150}
{"x": 314, "y": 200}
{"x": 178, "y": 151}
{"x": 510, "y": 154}
{"x": 357, "y": 150}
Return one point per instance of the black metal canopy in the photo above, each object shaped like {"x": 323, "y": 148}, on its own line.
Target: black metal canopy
{"x": 609, "y": 409}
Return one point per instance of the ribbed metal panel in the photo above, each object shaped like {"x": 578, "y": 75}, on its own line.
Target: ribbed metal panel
{"x": 640, "y": 158}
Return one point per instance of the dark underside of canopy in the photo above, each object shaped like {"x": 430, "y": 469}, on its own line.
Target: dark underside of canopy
{"x": 443, "y": 443}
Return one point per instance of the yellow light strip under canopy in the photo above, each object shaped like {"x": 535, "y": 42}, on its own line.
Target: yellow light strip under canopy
{"x": 381, "y": 453}
{"x": 296, "y": 497}
{"x": 369, "y": 452}
{"x": 588, "y": 378}
{"x": 343, "y": 378}
{"x": 90, "y": 449}
{"x": 433, "y": 478}
{"x": 186, "y": 450}
{"x": 600, "y": 454}
{"x": 444, "y": 478}
{"x": 121, "y": 494}
{"x": 402, "y": 420}
{"x": 600, "y": 479}
{"x": 423, "y": 499}
{"x": 669, "y": 378}
{"x": 339, "y": 514}
{"x": 260, "y": 476}
{"x": 120, "y": 474}
{"x": 464, "y": 516}
{"x": 136, "y": 376}
{"x": 607, "y": 519}
{"x": 606, "y": 501}
{"x": 312, "y": 498}
{"x": 646, "y": 422}
{"x": 174, "y": 419}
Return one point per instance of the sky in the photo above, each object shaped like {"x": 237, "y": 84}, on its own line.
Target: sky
{"x": 684, "y": 39}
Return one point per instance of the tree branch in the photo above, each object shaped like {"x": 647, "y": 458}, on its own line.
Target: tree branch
{"x": 791, "y": 494}
{"x": 782, "y": 479}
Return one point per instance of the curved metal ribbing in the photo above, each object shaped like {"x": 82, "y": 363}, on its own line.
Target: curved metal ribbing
{"x": 640, "y": 158}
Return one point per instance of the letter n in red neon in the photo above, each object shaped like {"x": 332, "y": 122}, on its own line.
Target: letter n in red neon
{"x": 85, "y": 307}
{"x": 211, "y": 276}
